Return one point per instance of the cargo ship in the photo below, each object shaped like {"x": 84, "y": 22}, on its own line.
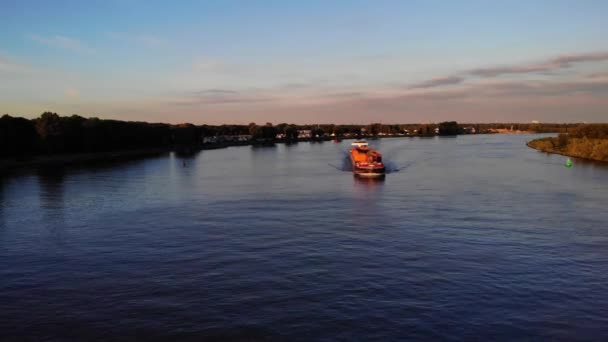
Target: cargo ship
{"x": 366, "y": 161}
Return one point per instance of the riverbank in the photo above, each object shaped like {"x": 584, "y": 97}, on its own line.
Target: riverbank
{"x": 78, "y": 158}
{"x": 102, "y": 157}
{"x": 510, "y": 131}
{"x": 585, "y": 148}
{"x": 70, "y": 159}
{"x": 114, "y": 156}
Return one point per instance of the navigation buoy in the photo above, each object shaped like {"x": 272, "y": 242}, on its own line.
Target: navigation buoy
{"x": 568, "y": 163}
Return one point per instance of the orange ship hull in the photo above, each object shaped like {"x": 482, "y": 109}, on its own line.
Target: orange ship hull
{"x": 367, "y": 162}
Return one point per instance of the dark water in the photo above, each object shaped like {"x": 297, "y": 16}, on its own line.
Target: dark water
{"x": 475, "y": 237}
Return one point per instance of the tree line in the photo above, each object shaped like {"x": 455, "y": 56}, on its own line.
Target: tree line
{"x": 579, "y": 135}
{"x": 591, "y": 131}
{"x": 586, "y": 141}
{"x": 53, "y": 134}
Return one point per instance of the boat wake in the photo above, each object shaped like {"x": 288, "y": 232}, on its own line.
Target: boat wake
{"x": 390, "y": 166}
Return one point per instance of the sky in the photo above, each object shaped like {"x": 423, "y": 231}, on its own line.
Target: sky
{"x": 235, "y": 62}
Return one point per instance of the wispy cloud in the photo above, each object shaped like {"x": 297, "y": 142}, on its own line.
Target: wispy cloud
{"x": 560, "y": 62}
{"x": 552, "y": 64}
{"x": 438, "y": 82}
{"x": 297, "y": 82}
{"x": 538, "y": 89}
{"x": 62, "y": 42}
{"x": 297, "y": 85}
{"x": 215, "y": 92}
{"x": 598, "y": 75}
{"x": 516, "y": 90}
{"x": 478, "y": 101}
{"x": 566, "y": 60}
{"x": 346, "y": 95}
{"x": 456, "y": 89}
{"x": 218, "y": 97}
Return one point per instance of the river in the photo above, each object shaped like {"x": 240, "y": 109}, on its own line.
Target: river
{"x": 470, "y": 237}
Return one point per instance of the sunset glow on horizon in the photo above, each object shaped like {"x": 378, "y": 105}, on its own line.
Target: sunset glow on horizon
{"x": 230, "y": 62}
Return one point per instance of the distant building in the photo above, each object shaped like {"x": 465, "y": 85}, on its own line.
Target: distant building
{"x": 304, "y": 133}
{"x": 535, "y": 121}
{"x": 226, "y": 138}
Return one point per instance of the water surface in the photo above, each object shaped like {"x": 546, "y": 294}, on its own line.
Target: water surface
{"x": 473, "y": 237}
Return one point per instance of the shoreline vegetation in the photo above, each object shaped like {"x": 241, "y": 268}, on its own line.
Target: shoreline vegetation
{"x": 52, "y": 140}
{"x": 586, "y": 142}
{"x": 78, "y": 158}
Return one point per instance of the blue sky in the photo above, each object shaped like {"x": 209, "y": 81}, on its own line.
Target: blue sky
{"x": 306, "y": 62}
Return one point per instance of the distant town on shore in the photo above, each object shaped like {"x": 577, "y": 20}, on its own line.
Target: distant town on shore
{"x": 52, "y": 134}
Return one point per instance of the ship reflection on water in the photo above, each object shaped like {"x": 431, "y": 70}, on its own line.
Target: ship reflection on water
{"x": 369, "y": 182}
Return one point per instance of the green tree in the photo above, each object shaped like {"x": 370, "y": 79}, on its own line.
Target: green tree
{"x": 50, "y": 130}
{"x": 448, "y": 128}
{"x": 562, "y": 141}
{"x": 291, "y": 132}
{"x": 374, "y": 128}
{"x": 18, "y": 136}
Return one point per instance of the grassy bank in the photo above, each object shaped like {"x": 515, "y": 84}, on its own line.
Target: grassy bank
{"x": 587, "y": 148}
